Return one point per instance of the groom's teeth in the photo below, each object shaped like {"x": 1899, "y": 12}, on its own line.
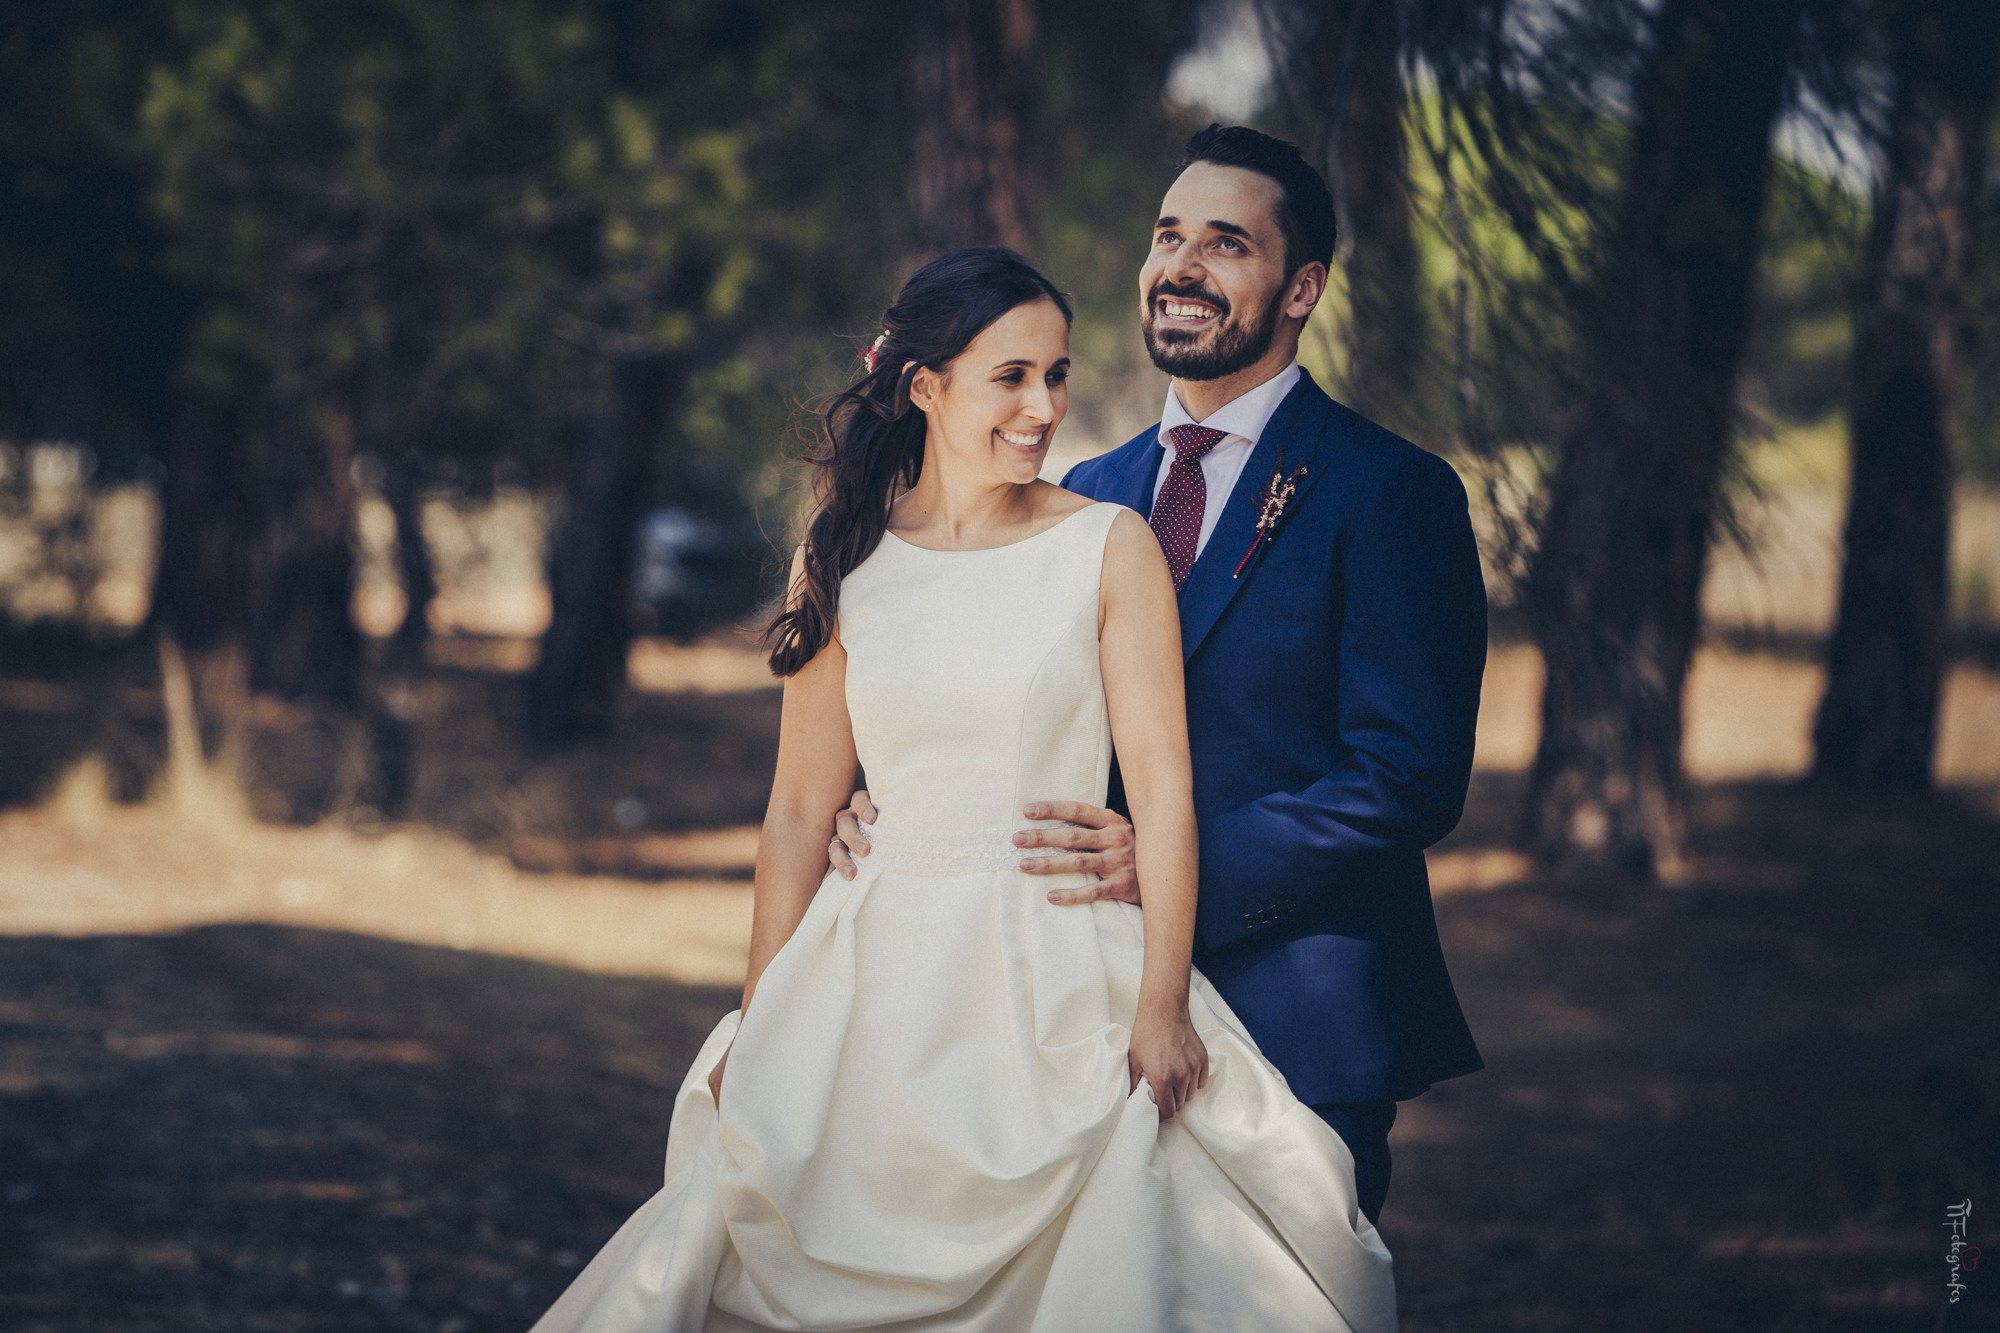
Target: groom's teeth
{"x": 1182, "y": 310}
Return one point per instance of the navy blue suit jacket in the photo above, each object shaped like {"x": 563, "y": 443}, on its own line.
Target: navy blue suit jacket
{"x": 1332, "y": 692}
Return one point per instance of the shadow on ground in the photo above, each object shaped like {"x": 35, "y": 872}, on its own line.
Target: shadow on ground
{"x": 258, "y": 1128}
{"x": 1741, "y": 1105}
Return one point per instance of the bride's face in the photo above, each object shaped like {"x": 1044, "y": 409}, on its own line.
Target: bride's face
{"x": 994, "y": 409}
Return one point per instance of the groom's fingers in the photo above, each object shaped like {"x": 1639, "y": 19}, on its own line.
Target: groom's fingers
{"x": 1066, "y": 836}
{"x": 1122, "y": 887}
{"x": 1075, "y": 812}
{"x": 1077, "y": 863}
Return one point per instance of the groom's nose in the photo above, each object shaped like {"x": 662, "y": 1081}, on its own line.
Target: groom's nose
{"x": 1184, "y": 267}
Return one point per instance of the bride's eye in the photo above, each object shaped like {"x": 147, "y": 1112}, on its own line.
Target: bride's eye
{"x": 1060, "y": 375}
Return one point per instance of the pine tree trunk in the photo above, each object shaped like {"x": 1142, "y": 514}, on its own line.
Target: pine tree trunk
{"x": 1385, "y": 330}
{"x": 199, "y": 587}
{"x": 302, "y": 638}
{"x": 1877, "y": 724}
{"x": 573, "y": 689}
{"x": 1341, "y": 85}
{"x": 1613, "y": 597}
{"x": 969, "y": 73}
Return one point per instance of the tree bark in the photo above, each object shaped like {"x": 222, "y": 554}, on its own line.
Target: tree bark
{"x": 302, "y": 638}
{"x": 1613, "y": 596}
{"x": 573, "y": 689}
{"x": 968, "y": 78}
{"x": 1341, "y": 84}
{"x": 1878, "y": 721}
{"x": 200, "y": 585}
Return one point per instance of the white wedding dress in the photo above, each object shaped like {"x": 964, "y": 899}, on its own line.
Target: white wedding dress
{"x": 926, "y": 1121}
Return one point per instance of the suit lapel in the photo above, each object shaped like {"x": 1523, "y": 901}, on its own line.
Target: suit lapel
{"x": 1298, "y": 427}
{"x": 1131, "y": 484}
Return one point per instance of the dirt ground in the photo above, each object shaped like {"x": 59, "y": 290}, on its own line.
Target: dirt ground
{"x": 257, "y": 1077}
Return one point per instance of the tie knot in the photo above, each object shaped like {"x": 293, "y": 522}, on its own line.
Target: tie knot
{"x": 1192, "y": 443}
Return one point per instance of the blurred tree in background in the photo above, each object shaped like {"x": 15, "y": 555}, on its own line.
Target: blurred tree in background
{"x": 1616, "y": 277}
{"x": 1877, "y": 726}
{"x": 1339, "y": 76}
{"x": 460, "y": 229}
{"x": 284, "y": 257}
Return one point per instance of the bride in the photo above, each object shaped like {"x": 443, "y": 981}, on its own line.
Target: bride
{"x": 945, "y": 1102}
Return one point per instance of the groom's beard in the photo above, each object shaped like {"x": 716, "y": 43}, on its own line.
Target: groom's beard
{"x": 1207, "y": 354}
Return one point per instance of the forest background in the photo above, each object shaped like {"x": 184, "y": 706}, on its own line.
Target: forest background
{"x": 400, "y": 413}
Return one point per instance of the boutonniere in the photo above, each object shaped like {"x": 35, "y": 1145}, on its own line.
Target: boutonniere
{"x": 1278, "y": 492}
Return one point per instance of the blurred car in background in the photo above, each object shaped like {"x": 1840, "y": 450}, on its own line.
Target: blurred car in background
{"x": 694, "y": 571}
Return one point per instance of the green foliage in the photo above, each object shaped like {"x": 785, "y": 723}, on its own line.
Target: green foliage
{"x": 1795, "y": 366}
{"x": 438, "y": 219}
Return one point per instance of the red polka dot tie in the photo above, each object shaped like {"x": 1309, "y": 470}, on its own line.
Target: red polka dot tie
{"x": 1183, "y": 501}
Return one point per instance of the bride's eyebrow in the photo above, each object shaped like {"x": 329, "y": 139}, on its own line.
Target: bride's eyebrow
{"x": 1026, "y": 364}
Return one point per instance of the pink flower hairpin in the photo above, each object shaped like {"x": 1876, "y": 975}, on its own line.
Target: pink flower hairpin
{"x": 874, "y": 353}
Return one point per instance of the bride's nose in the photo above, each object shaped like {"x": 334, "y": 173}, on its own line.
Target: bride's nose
{"x": 1039, "y": 405}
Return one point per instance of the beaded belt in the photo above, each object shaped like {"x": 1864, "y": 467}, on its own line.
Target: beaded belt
{"x": 944, "y": 851}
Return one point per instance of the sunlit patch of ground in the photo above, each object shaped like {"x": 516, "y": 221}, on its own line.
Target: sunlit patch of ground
{"x": 147, "y": 869}
{"x": 1749, "y": 715}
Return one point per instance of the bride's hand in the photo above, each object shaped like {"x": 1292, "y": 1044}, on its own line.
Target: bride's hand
{"x": 1167, "y": 1051}
{"x": 715, "y": 1076}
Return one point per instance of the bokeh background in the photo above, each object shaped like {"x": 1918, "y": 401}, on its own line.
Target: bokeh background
{"x": 400, "y": 412}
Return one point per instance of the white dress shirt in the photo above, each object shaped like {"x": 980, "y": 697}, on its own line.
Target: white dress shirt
{"x": 1242, "y": 420}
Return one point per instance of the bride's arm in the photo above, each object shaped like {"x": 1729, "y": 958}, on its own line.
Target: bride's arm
{"x": 814, "y": 778}
{"x": 815, "y": 774}
{"x": 1139, "y": 647}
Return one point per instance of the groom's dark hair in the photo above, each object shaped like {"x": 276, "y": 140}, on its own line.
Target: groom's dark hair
{"x": 1305, "y": 205}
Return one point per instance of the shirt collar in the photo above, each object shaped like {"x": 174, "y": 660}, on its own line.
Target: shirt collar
{"x": 1245, "y": 415}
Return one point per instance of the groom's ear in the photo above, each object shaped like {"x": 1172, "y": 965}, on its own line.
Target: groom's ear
{"x": 1304, "y": 289}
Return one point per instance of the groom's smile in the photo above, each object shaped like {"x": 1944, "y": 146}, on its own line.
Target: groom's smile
{"x": 1186, "y": 309}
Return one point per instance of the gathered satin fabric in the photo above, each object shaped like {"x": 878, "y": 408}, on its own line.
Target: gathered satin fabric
{"x": 927, "y": 1120}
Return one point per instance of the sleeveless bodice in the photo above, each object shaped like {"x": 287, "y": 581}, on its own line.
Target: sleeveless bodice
{"x": 973, "y": 683}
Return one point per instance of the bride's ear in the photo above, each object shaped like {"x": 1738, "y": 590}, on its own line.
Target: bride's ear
{"x": 924, "y": 386}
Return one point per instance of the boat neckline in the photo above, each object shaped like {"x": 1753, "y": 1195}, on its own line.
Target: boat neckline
{"x": 1007, "y": 546}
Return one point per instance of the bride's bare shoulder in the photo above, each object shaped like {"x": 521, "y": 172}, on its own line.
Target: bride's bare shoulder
{"x": 1132, "y": 555}
{"x": 1054, "y": 503}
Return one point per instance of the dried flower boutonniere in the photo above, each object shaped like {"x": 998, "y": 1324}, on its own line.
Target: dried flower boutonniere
{"x": 1278, "y": 492}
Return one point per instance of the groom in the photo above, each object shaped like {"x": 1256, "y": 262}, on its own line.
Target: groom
{"x": 1333, "y": 623}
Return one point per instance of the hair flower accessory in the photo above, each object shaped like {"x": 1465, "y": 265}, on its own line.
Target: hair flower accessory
{"x": 1278, "y": 492}
{"x": 874, "y": 353}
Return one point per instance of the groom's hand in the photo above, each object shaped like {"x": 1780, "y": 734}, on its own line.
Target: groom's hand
{"x": 1101, "y": 847}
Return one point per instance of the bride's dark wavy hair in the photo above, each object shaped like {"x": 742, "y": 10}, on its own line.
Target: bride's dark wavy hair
{"x": 873, "y": 445}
